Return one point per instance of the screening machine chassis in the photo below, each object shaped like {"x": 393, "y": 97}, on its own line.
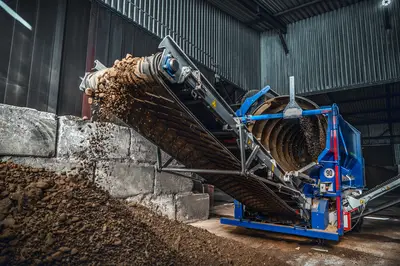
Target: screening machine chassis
{"x": 322, "y": 200}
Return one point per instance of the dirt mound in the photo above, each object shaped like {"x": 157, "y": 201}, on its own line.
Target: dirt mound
{"x": 64, "y": 219}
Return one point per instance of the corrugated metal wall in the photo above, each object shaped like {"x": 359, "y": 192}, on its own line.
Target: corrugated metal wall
{"x": 41, "y": 68}
{"x": 204, "y": 32}
{"x": 73, "y": 57}
{"x": 116, "y": 35}
{"x": 345, "y": 48}
{"x": 30, "y": 60}
{"x": 397, "y": 153}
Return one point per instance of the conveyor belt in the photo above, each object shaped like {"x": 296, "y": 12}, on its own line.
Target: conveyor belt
{"x": 384, "y": 184}
{"x": 153, "y": 109}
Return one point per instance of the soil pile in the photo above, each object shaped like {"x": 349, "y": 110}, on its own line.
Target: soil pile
{"x": 47, "y": 218}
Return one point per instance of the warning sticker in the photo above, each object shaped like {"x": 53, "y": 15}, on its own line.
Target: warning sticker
{"x": 214, "y": 104}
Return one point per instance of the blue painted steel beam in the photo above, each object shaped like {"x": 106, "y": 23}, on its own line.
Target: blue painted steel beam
{"x": 280, "y": 115}
{"x": 238, "y": 211}
{"x": 299, "y": 231}
{"x": 244, "y": 108}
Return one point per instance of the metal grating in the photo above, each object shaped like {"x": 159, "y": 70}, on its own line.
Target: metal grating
{"x": 204, "y": 32}
{"x": 338, "y": 50}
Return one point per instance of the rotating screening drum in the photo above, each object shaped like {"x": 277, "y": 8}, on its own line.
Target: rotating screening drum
{"x": 293, "y": 143}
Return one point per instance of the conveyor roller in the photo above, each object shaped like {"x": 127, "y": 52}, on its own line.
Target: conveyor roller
{"x": 389, "y": 184}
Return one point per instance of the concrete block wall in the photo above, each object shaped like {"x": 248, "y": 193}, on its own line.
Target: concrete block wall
{"x": 115, "y": 157}
{"x": 27, "y": 132}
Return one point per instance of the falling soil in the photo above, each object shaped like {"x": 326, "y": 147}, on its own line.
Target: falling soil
{"x": 49, "y": 218}
{"x": 112, "y": 100}
{"x": 314, "y": 136}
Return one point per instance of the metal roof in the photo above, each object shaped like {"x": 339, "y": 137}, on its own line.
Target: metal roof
{"x": 264, "y": 15}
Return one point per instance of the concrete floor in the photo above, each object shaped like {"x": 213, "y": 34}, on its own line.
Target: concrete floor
{"x": 378, "y": 243}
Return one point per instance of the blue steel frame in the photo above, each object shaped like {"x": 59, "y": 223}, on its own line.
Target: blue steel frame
{"x": 244, "y": 108}
{"x": 330, "y": 157}
{"x": 284, "y": 229}
{"x": 248, "y": 118}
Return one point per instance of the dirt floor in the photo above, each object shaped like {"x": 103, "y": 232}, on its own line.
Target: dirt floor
{"x": 64, "y": 219}
{"x": 378, "y": 243}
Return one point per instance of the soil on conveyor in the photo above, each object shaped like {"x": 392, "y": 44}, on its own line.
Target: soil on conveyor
{"x": 48, "y": 218}
{"x": 112, "y": 99}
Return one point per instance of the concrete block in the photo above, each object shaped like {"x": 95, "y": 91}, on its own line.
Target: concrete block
{"x": 53, "y": 164}
{"x": 192, "y": 207}
{"x": 82, "y": 139}
{"x": 142, "y": 150}
{"x": 123, "y": 180}
{"x": 166, "y": 183}
{"x": 27, "y": 132}
{"x": 161, "y": 204}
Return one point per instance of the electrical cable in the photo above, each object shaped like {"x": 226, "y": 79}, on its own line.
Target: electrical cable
{"x": 358, "y": 220}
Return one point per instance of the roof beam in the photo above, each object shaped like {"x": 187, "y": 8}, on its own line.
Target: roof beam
{"x": 365, "y": 98}
{"x": 370, "y": 111}
{"x": 283, "y": 42}
{"x": 382, "y": 137}
{"x": 284, "y": 12}
{"x": 370, "y": 122}
{"x": 265, "y": 15}
{"x": 257, "y": 20}
{"x": 297, "y": 8}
